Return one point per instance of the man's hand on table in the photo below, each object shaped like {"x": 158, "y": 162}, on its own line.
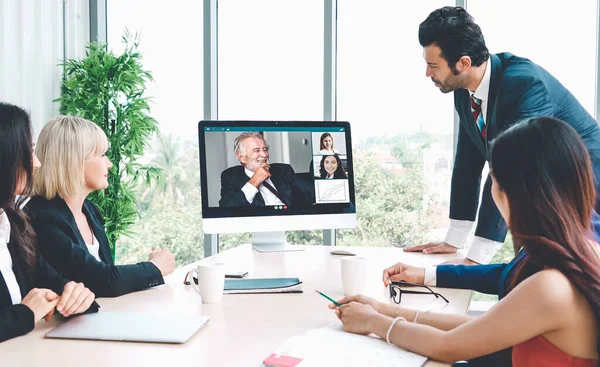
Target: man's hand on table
{"x": 441, "y": 248}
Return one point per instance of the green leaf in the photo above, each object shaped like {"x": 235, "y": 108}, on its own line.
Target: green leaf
{"x": 108, "y": 89}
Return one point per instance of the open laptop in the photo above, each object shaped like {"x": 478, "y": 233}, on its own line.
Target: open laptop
{"x": 131, "y": 326}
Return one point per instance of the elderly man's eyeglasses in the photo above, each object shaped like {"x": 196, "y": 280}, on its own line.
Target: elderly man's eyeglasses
{"x": 396, "y": 291}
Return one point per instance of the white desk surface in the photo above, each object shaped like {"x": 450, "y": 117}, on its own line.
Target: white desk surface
{"x": 244, "y": 329}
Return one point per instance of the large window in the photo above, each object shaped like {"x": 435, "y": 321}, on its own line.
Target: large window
{"x": 270, "y": 59}
{"x": 171, "y": 44}
{"x": 35, "y": 37}
{"x": 402, "y": 126}
{"x": 559, "y": 36}
{"x": 270, "y": 68}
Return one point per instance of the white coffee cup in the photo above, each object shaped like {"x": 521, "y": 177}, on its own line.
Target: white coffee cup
{"x": 211, "y": 281}
{"x": 354, "y": 274}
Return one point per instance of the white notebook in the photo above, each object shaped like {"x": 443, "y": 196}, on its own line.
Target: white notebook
{"x": 332, "y": 346}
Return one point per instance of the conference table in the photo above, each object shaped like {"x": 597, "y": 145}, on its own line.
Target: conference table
{"x": 244, "y": 328}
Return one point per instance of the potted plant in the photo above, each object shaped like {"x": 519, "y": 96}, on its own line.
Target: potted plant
{"x": 108, "y": 89}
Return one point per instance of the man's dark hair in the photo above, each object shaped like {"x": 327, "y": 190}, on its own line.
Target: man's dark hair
{"x": 455, "y": 32}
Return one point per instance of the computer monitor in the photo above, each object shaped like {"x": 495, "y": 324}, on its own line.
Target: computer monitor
{"x": 309, "y": 186}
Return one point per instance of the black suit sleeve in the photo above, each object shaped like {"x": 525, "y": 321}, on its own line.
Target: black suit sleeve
{"x": 76, "y": 263}
{"x": 15, "y": 320}
{"x": 231, "y": 191}
{"x": 46, "y": 277}
{"x": 466, "y": 178}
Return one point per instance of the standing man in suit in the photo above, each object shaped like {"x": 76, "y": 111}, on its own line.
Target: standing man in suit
{"x": 491, "y": 93}
{"x": 255, "y": 182}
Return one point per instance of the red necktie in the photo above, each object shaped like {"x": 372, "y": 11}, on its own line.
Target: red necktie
{"x": 477, "y": 116}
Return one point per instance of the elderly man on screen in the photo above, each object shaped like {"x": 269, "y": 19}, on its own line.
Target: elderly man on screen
{"x": 255, "y": 182}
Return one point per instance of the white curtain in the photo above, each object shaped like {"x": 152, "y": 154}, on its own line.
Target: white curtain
{"x": 33, "y": 42}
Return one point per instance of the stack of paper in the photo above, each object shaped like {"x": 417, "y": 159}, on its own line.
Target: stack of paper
{"x": 263, "y": 285}
{"x": 332, "y": 346}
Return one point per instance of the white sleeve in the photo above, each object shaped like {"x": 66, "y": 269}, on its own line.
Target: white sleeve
{"x": 458, "y": 232}
{"x": 249, "y": 191}
{"x": 430, "y": 276}
{"x": 482, "y": 250}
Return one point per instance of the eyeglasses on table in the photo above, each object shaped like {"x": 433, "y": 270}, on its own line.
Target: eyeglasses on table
{"x": 396, "y": 291}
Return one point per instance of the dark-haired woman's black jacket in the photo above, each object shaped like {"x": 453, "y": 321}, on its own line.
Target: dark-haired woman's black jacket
{"x": 16, "y": 320}
{"x": 61, "y": 244}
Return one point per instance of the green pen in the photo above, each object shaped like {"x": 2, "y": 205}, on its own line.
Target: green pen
{"x": 329, "y": 298}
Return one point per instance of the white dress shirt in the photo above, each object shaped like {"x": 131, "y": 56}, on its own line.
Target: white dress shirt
{"x": 94, "y": 248}
{"x": 482, "y": 249}
{"x": 483, "y": 90}
{"x": 250, "y": 191}
{"x": 6, "y": 261}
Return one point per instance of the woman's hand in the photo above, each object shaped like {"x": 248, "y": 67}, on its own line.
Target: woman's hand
{"x": 355, "y": 317}
{"x": 41, "y": 302}
{"x": 75, "y": 298}
{"x": 163, "y": 259}
{"x": 359, "y": 298}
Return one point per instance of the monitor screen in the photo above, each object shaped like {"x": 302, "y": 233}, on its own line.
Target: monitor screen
{"x": 266, "y": 176}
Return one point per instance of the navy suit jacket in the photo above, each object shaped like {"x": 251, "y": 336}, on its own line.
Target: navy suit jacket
{"x": 519, "y": 89}
{"x": 234, "y": 178}
{"x": 492, "y": 278}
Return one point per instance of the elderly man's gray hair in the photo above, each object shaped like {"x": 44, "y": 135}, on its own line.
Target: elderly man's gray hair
{"x": 238, "y": 147}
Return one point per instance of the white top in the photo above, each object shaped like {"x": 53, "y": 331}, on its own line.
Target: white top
{"x": 250, "y": 191}
{"x": 325, "y": 151}
{"x": 94, "y": 248}
{"x": 6, "y": 261}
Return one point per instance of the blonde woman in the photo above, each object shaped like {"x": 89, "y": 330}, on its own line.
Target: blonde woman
{"x": 74, "y": 164}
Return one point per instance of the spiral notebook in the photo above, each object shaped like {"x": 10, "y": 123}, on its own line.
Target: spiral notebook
{"x": 263, "y": 285}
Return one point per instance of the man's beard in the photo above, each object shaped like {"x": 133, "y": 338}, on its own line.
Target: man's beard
{"x": 252, "y": 166}
{"x": 454, "y": 82}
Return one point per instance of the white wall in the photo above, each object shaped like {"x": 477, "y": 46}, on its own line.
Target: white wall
{"x": 77, "y": 28}
{"x": 32, "y": 44}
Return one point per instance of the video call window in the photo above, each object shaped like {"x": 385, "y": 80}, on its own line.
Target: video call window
{"x": 280, "y": 167}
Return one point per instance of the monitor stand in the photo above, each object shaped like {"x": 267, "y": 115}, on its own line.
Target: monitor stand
{"x": 272, "y": 242}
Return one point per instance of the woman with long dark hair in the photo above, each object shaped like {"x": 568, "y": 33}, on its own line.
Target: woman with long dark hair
{"x": 543, "y": 185}
{"x": 331, "y": 167}
{"x": 32, "y": 289}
